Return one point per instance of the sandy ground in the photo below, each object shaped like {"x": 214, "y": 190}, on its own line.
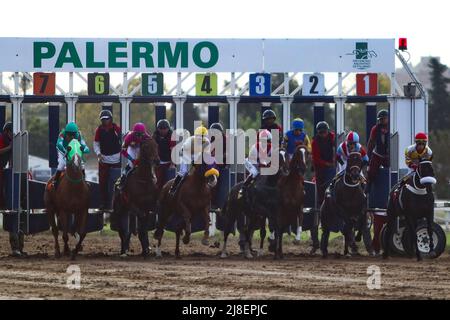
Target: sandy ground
{"x": 201, "y": 274}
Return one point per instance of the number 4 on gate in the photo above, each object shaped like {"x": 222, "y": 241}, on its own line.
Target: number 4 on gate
{"x": 206, "y": 84}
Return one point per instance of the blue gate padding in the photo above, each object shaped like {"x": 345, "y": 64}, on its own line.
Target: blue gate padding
{"x": 380, "y": 188}
{"x": 310, "y": 194}
{"x": 197, "y": 223}
{"x": 38, "y": 222}
{"x": 95, "y": 222}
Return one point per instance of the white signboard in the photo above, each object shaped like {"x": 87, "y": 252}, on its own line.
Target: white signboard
{"x": 205, "y": 55}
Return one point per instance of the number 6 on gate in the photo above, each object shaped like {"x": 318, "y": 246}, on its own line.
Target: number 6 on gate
{"x": 98, "y": 84}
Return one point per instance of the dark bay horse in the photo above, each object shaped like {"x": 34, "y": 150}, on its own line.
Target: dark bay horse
{"x": 259, "y": 204}
{"x": 71, "y": 197}
{"x": 138, "y": 198}
{"x": 290, "y": 210}
{"x": 348, "y": 205}
{"x": 192, "y": 198}
{"x": 414, "y": 200}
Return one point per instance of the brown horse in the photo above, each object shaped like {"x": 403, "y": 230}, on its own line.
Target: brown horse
{"x": 193, "y": 197}
{"x": 291, "y": 194}
{"x": 71, "y": 197}
{"x": 138, "y": 198}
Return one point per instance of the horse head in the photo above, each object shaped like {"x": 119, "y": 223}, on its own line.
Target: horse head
{"x": 74, "y": 155}
{"x": 426, "y": 175}
{"x": 148, "y": 155}
{"x": 283, "y": 165}
{"x": 354, "y": 165}
{"x": 298, "y": 162}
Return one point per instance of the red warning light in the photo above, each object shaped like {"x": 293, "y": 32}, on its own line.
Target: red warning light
{"x": 403, "y": 44}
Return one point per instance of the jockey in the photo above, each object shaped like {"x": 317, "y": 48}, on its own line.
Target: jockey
{"x": 258, "y": 157}
{"x": 163, "y": 137}
{"x": 378, "y": 146}
{"x": 198, "y": 141}
{"x": 268, "y": 122}
{"x": 351, "y": 144}
{"x": 131, "y": 147}
{"x": 417, "y": 152}
{"x": 296, "y": 137}
{"x": 414, "y": 154}
{"x": 65, "y": 136}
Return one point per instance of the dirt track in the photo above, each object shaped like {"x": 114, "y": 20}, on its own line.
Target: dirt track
{"x": 201, "y": 274}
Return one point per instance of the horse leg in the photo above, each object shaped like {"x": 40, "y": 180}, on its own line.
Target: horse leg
{"x": 387, "y": 236}
{"x": 143, "y": 236}
{"x": 224, "y": 253}
{"x": 51, "y": 220}
{"x": 185, "y": 213}
{"x": 65, "y": 227}
{"x": 430, "y": 220}
{"x": 412, "y": 223}
{"x": 177, "y": 246}
{"x": 248, "y": 242}
{"x": 207, "y": 220}
{"x": 262, "y": 235}
{"x": 80, "y": 234}
{"x": 324, "y": 242}
{"x": 124, "y": 234}
{"x": 348, "y": 239}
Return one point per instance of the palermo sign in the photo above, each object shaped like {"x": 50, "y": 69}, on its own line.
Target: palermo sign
{"x": 204, "y": 55}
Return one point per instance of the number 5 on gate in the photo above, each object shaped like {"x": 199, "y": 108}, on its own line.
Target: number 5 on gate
{"x": 152, "y": 84}
{"x": 206, "y": 84}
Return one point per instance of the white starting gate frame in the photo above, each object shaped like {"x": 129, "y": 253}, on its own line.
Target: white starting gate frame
{"x": 236, "y": 58}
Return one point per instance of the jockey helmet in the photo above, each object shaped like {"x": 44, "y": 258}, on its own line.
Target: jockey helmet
{"x": 139, "y": 127}
{"x": 269, "y": 114}
{"x": 298, "y": 124}
{"x": 8, "y": 127}
{"x": 71, "y": 127}
{"x": 216, "y": 126}
{"x": 421, "y": 137}
{"x": 201, "y": 131}
{"x": 352, "y": 137}
{"x": 163, "y": 124}
{"x": 106, "y": 115}
{"x": 322, "y": 126}
{"x": 382, "y": 114}
{"x": 265, "y": 135}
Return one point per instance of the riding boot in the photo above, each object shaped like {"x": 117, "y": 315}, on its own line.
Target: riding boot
{"x": 123, "y": 178}
{"x": 176, "y": 184}
{"x": 56, "y": 179}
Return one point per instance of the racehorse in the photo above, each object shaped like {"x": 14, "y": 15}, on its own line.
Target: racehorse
{"x": 414, "y": 200}
{"x": 348, "y": 205}
{"x": 290, "y": 210}
{"x": 138, "y": 198}
{"x": 259, "y": 203}
{"x": 192, "y": 198}
{"x": 71, "y": 197}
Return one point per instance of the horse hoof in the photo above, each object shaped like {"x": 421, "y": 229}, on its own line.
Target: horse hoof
{"x": 73, "y": 256}
{"x": 248, "y": 256}
{"x": 260, "y": 253}
{"x": 313, "y": 251}
{"x": 205, "y": 242}
{"x": 432, "y": 254}
{"x": 178, "y": 257}
{"x": 325, "y": 255}
{"x": 224, "y": 255}
{"x": 57, "y": 254}
{"x": 348, "y": 255}
{"x": 217, "y": 244}
{"x": 186, "y": 239}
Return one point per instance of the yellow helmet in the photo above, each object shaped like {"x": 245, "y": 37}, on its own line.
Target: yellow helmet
{"x": 201, "y": 131}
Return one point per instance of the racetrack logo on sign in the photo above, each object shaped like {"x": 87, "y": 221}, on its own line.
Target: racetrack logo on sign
{"x": 363, "y": 56}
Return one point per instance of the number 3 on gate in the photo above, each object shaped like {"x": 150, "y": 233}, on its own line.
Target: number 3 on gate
{"x": 206, "y": 84}
{"x": 98, "y": 84}
{"x": 259, "y": 84}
